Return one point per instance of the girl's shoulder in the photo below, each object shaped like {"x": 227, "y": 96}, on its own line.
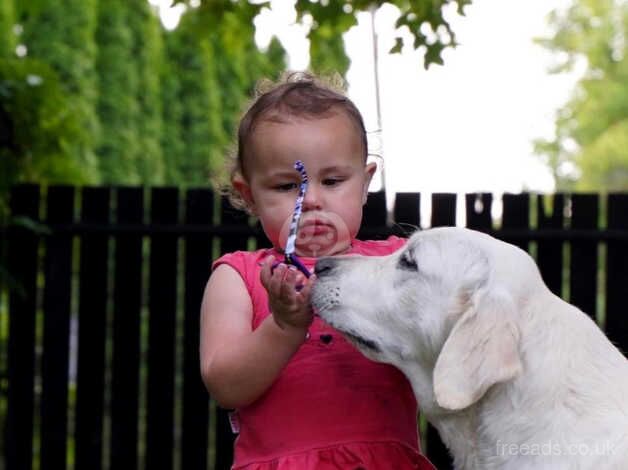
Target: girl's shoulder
{"x": 245, "y": 263}
{"x": 378, "y": 247}
{"x": 236, "y": 258}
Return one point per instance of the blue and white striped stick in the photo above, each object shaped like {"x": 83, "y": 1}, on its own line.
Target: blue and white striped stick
{"x": 291, "y": 257}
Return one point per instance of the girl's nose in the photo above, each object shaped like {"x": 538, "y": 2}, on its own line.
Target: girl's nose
{"x": 312, "y": 199}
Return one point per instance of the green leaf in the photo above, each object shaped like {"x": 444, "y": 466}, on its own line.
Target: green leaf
{"x": 397, "y": 47}
{"x": 433, "y": 54}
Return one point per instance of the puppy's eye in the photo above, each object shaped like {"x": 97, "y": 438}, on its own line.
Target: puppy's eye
{"x": 407, "y": 261}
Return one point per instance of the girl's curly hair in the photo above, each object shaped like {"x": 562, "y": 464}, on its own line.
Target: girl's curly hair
{"x": 295, "y": 94}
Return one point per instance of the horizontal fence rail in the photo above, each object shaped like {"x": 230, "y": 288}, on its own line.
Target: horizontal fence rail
{"x": 99, "y": 336}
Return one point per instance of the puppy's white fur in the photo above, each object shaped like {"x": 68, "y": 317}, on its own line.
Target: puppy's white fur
{"x": 512, "y": 376}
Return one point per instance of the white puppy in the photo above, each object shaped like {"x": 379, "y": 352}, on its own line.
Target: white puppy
{"x": 510, "y": 375}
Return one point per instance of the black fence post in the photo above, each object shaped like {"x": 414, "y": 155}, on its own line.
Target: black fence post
{"x": 550, "y": 251}
{"x": 224, "y": 436}
{"x": 443, "y": 210}
{"x": 374, "y": 217}
{"x": 22, "y": 261}
{"x": 199, "y": 210}
{"x": 127, "y": 304}
{"x": 584, "y": 254}
{"x": 516, "y": 217}
{"x": 478, "y": 209}
{"x": 162, "y": 306}
{"x": 56, "y": 306}
{"x": 617, "y": 273}
{"x": 443, "y": 214}
{"x": 407, "y": 213}
{"x": 92, "y": 319}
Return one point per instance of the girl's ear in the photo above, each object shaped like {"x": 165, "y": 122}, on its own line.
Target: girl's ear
{"x": 369, "y": 171}
{"x": 244, "y": 190}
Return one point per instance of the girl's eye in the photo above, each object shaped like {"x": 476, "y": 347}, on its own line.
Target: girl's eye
{"x": 332, "y": 181}
{"x": 286, "y": 187}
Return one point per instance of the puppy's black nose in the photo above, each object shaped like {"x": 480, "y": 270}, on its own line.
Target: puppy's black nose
{"x": 324, "y": 266}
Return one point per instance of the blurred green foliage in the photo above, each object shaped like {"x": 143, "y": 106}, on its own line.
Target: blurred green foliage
{"x": 592, "y": 127}
{"x": 148, "y": 58}
{"x": 121, "y": 100}
{"x": 99, "y": 92}
{"x": 7, "y": 23}
{"x": 40, "y": 128}
{"x": 61, "y": 35}
{"x": 424, "y": 20}
{"x": 129, "y": 63}
{"x": 117, "y": 106}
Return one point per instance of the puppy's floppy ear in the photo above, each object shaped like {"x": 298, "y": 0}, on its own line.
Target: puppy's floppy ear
{"x": 481, "y": 350}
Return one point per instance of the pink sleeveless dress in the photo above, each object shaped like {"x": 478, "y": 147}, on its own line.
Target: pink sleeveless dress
{"x": 330, "y": 407}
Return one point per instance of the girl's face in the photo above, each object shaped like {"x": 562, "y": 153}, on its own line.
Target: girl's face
{"x": 338, "y": 180}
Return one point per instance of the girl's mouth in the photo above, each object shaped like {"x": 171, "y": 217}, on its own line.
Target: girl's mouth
{"x": 315, "y": 227}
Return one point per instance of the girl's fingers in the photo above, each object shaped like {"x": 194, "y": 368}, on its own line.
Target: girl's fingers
{"x": 306, "y": 289}
{"x": 281, "y": 284}
{"x": 288, "y": 289}
{"x": 265, "y": 273}
{"x": 288, "y": 286}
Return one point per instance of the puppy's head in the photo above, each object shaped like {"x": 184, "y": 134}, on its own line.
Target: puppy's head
{"x": 447, "y": 303}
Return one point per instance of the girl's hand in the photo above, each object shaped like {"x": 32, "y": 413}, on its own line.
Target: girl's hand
{"x": 290, "y": 307}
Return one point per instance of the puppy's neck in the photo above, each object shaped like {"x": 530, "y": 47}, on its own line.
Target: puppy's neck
{"x": 459, "y": 431}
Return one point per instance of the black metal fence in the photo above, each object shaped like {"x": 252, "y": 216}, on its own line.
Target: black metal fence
{"x": 99, "y": 336}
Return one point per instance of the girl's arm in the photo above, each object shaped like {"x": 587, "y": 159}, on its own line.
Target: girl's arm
{"x": 238, "y": 364}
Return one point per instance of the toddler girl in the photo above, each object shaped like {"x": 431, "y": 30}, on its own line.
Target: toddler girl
{"x": 304, "y": 398}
